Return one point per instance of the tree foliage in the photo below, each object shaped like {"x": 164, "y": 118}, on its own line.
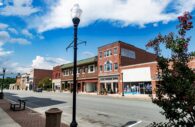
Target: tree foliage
{"x": 176, "y": 91}
{"x": 45, "y": 83}
{"x": 7, "y": 82}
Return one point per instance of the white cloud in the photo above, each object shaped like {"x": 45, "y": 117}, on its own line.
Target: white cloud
{"x": 4, "y": 36}
{"x": 121, "y": 12}
{"x": 3, "y": 26}
{"x": 19, "y": 41}
{"x": 27, "y": 33}
{"x": 18, "y": 8}
{"x": 4, "y": 53}
{"x": 14, "y": 67}
{"x": 47, "y": 62}
{"x": 13, "y": 30}
{"x": 88, "y": 54}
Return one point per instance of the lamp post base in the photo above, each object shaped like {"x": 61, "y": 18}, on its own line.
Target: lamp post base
{"x": 1, "y": 95}
{"x": 73, "y": 124}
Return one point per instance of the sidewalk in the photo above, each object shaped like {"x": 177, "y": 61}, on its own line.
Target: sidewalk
{"x": 6, "y": 120}
{"x": 25, "y": 118}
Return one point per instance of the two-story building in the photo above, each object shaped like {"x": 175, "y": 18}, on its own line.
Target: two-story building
{"x": 86, "y": 75}
{"x": 56, "y": 78}
{"x": 111, "y": 58}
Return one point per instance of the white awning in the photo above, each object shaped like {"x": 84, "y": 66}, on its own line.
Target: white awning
{"x": 137, "y": 74}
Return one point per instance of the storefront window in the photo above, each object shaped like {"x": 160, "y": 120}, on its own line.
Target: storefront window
{"x": 138, "y": 88}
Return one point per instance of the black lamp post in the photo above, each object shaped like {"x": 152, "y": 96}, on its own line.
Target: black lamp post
{"x": 76, "y": 13}
{"x": 122, "y": 85}
{"x": 1, "y": 94}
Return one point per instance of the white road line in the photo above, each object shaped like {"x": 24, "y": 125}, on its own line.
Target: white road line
{"x": 135, "y": 123}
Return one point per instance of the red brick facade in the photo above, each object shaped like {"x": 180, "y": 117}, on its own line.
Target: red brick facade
{"x": 37, "y": 75}
{"x": 86, "y": 75}
{"x": 109, "y": 65}
{"x": 56, "y": 72}
{"x": 122, "y": 54}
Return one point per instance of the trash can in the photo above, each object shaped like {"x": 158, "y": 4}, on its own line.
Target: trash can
{"x": 53, "y": 117}
{"x": 1, "y": 95}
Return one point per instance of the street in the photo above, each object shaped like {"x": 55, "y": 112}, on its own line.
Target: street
{"x": 93, "y": 111}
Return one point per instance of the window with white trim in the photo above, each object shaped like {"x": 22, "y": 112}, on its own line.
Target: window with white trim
{"x": 100, "y": 54}
{"x": 91, "y": 68}
{"x": 115, "y": 50}
{"x": 108, "y": 66}
{"x": 101, "y": 68}
{"x": 66, "y": 72}
{"x": 115, "y": 66}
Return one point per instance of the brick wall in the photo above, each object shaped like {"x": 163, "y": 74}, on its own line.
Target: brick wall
{"x": 40, "y": 74}
{"x": 56, "y": 72}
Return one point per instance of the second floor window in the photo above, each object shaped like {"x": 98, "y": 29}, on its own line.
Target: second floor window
{"x": 91, "y": 69}
{"x": 108, "y": 66}
{"x": 115, "y": 50}
{"x": 108, "y": 53}
{"x": 78, "y": 70}
{"x": 100, "y": 54}
{"x": 66, "y": 72}
{"x": 115, "y": 66}
{"x": 101, "y": 68}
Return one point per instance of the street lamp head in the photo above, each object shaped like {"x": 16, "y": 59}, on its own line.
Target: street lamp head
{"x": 76, "y": 11}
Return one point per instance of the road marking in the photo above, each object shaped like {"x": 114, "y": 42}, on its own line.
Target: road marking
{"x": 135, "y": 123}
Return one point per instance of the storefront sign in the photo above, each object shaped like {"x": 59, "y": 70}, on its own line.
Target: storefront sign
{"x": 128, "y": 53}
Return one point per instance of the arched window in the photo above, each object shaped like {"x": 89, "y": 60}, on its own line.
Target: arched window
{"x": 108, "y": 66}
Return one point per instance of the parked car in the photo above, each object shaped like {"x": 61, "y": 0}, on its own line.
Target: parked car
{"x": 39, "y": 90}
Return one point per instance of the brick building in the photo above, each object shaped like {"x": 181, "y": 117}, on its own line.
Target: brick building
{"x": 56, "y": 78}
{"x": 111, "y": 58}
{"x": 37, "y": 75}
{"x": 119, "y": 67}
{"x": 86, "y": 75}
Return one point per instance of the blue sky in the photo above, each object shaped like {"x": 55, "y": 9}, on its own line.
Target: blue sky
{"x": 35, "y": 34}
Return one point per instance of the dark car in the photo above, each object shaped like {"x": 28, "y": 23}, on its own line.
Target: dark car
{"x": 39, "y": 90}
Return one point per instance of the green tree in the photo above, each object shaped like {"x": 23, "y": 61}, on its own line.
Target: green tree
{"x": 176, "y": 91}
{"x": 7, "y": 82}
{"x": 45, "y": 83}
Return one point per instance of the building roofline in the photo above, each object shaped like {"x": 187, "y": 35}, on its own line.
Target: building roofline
{"x": 42, "y": 69}
{"x": 109, "y": 44}
{"x": 119, "y": 41}
{"x": 79, "y": 62}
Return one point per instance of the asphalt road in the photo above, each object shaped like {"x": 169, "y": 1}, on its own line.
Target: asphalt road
{"x": 93, "y": 111}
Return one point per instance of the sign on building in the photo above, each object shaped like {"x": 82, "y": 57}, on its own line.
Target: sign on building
{"x": 128, "y": 53}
